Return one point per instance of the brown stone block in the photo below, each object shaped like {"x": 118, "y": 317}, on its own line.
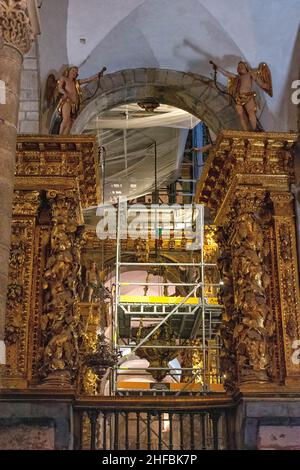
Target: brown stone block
{"x": 5, "y": 230}
{"x": 7, "y": 166}
{"x": 9, "y": 110}
{"x": 2, "y": 315}
{"x": 25, "y": 437}
{"x": 3, "y": 276}
{"x": 128, "y": 76}
{"x": 118, "y": 80}
{"x": 8, "y": 136}
{"x": 10, "y": 69}
{"x": 140, "y": 75}
{"x": 6, "y": 196}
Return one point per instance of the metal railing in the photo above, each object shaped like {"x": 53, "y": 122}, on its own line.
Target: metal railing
{"x": 125, "y": 423}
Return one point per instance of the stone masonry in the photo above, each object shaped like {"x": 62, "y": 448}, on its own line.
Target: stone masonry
{"x": 29, "y": 115}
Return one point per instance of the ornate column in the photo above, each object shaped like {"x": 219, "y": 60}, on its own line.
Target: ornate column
{"x": 20, "y": 289}
{"x": 247, "y": 186}
{"x": 55, "y": 179}
{"x": 287, "y": 282}
{"x": 253, "y": 333}
{"x": 60, "y": 320}
{"x": 18, "y": 27}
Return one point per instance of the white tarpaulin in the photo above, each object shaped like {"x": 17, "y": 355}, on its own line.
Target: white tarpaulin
{"x": 134, "y": 142}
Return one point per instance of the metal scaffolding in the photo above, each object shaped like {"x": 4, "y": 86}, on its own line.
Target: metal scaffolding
{"x": 195, "y": 318}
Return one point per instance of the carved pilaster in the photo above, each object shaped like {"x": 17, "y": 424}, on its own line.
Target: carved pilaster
{"x": 254, "y": 331}
{"x": 288, "y": 282}
{"x": 19, "y": 23}
{"x": 18, "y": 26}
{"x": 228, "y": 358}
{"x": 246, "y": 183}
{"x": 60, "y": 320}
{"x": 18, "y": 313}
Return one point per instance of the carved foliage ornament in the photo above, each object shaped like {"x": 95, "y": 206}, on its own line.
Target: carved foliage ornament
{"x": 229, "y": 315}
{"x": 18, "y": 294}
{"x": 288, "y": 281}
{"x": 60, "y": 320}
{"x": 255, "y": 328}
{"x": 15, "y": 24}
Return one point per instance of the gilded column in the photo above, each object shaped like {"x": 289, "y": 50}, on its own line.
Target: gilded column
{"x": 287, "y": 282}
{"x": 18, "y": 27}
{"x": 247, "y": 184}
{"x": 60, "y": 320}
{"x": 228, "y": 359}
{"x": 253, "y": 333}
{"x": 18, "y": 323}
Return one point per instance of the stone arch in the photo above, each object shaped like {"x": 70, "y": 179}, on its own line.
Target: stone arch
{"x": 189, "y": 91}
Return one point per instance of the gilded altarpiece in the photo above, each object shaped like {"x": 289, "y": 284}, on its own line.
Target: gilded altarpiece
{"x": 247, "y": 186}
{"x": 18, "y": 319}
{"x": 56, "y": 178}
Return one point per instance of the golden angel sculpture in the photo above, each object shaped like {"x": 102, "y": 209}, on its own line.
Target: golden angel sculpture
{"x": 65, "y": 95}
{"x": 241, "y": 93}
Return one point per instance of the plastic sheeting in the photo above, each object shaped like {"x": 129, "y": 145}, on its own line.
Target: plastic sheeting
{"x": 134, "y": 142}
{"x": 130, "y": 160}
{"x": 132, "y": 116}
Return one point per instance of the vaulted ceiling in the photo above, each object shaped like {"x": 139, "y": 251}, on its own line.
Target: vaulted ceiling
{"x": 180, "y": 35}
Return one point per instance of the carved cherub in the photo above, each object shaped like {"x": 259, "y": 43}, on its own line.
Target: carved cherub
{"x": 65, "y": 95}
{"x": 240, "y": 90}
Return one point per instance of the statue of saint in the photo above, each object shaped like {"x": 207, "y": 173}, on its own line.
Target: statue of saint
{"x": 93, "y": 282}
{"x": 240, "y": 90}
{"x": 93, "y": 287}
{"x": 65, "y": 95}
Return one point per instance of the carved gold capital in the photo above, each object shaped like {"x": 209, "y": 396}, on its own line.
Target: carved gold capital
{"x": 26, "y": 202}
{"x": 19, "y": 23}
{"x": 245, "y": 160}
{"x": 282, "y": 203}
{"x": 59, "y": 162}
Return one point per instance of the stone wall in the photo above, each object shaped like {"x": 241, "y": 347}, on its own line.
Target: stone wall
{"x": 268, "y": 423}
{"x": 35, "y": 424}
{"x": 189, "y": 91}
{"x": 29, "y": 111}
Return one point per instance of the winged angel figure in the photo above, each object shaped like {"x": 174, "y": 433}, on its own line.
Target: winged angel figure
{"x": 240, "y": 90}
{"x": 64, "y": 97}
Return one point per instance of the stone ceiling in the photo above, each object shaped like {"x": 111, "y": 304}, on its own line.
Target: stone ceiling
{"x": 179, "y": 35}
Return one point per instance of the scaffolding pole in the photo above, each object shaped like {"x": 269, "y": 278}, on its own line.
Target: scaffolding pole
{"x": 199, "y": 329}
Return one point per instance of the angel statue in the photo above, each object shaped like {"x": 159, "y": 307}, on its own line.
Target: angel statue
{"x": 65, "y": 95}
{"x": 240, "y": 90}
{"x": 93, "y": 288}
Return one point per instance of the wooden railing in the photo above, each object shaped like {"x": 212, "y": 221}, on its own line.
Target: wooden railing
{"x": 176, "y": 423}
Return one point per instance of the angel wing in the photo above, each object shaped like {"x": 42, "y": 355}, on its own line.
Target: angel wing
{"x": 263, "y": 78}
{"x": 52, "y": 100}
{"x": 51, "y": 90}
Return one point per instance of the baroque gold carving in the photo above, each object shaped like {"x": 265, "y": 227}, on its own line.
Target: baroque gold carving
{"x": 60, "y": 321}
{"x": 211, "y": 276}
{"x": 18, "y": 298}
{"x": 253, "y": 206}
{"x": 228, "y": 360}
{"x": 15, "y": 24}
{"x": 26, "y": 202}
{"x": 253, "y": 334}
{"x": 257, "y": 159}
{"x": 288, "y": 278}
{"x": 91, "y": 316}
{"x": 60, "y": 162}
